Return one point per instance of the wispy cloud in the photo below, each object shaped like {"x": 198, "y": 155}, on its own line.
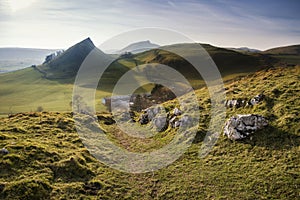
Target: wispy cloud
{"x": 55, "y": 23}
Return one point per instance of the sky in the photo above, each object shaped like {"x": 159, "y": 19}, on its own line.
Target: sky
{"x": 260, "y": 24}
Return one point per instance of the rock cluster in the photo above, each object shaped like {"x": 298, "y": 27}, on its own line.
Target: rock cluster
{"x": 237, "y": 103}
{"x": 242, "y": 126}
{"x": 161, "y": 122}
{"x": 149, "y": 114}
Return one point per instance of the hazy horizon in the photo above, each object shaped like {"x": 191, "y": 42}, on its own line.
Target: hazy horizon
{"x": 60, "y": 24}
{"x": 45, "y": 48}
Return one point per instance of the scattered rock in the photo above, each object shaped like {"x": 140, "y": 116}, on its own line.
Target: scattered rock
{"x": 233, "y": 103}
{"x": 177, "y": 123}
{"x": 4, "y": 151}
{"x": 144, "y": 119}
{"x": 185, "y": 121}
{"x": 242, "y": 102}
{"x": 173, "y": 122}
{"x": 149, "y": 114}
{"x": 160, "y": 123}
{"x": 152, "y": 112}
{"x": 242, "y": 126}
{"x": 257, "y": 99}
{"x": 177, "y": 112}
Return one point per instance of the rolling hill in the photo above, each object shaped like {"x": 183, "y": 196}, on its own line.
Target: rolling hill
{"x": 227, "y": 61}
{"x": 50, "y": 85}
{"x": 288, "y": 55}
{"x": 286, "y": 50}
{"x": 47, "y": 159}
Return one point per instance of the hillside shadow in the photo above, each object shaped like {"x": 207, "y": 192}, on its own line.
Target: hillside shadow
{"x": 273, "y": 138}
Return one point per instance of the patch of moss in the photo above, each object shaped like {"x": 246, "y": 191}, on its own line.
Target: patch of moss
{"x": 27, "y": 189}
{"x": 72, "y": 169}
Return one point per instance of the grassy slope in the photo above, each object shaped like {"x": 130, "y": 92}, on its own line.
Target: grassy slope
{"x": 287, "y": 54}
{"x": 287, "y": 50}
{"x": 25, "y": 90}
{"x": 67, "y": 64}
{"x": 47, "y": 159}
{"x": 228, "y": 61}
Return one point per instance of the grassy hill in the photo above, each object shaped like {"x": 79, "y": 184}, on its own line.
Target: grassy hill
{"x": 67, "y": 64}
{"x": 227, "y": 61}
{"x": 27, "y": 89}
{"x": 288, "y": 55}
{"x": 287, "y": 50}
{"x": 50, "y": 85}
{"x": 47, "y": 160}
{"x": 231, "y": 64}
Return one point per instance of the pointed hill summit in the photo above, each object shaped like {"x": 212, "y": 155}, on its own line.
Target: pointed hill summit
{"x": 67, "y": 64}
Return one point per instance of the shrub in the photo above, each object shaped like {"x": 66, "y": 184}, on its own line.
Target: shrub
{"x": 39, "y": 109}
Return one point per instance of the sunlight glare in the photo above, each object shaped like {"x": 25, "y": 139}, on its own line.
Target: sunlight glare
{"x": 16, "y": 5}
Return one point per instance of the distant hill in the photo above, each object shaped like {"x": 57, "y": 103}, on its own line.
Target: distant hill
{"x": 227, "y": 61}
{"x": 138, "y": 47}
{"x": 12, "y": 59}
{"x": 64, "y": 68}
{"x": 245, "y": 50}
{"x": 66, "y": 65}
{"x": 287, "y": 55}
{"x": 286, "y": 50}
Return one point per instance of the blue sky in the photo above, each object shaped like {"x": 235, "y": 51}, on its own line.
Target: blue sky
{"x": 258, "y": 24}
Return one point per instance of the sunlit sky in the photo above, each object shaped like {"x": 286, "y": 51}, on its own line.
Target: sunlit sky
{"x": 260, "y": 24}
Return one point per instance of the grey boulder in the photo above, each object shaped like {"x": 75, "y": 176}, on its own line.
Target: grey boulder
{"x": 242, "y": 126}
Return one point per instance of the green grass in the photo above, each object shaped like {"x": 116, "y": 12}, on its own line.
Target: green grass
{"x": 289, "y": 59}
{"x": 25, "y": 90}
{"x": 47, "y": 160}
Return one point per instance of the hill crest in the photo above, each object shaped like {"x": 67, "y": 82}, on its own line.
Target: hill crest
{"x": 68, "y": 63}
{"x": 285, "y": 50}
{"x": 138, "y": 47}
